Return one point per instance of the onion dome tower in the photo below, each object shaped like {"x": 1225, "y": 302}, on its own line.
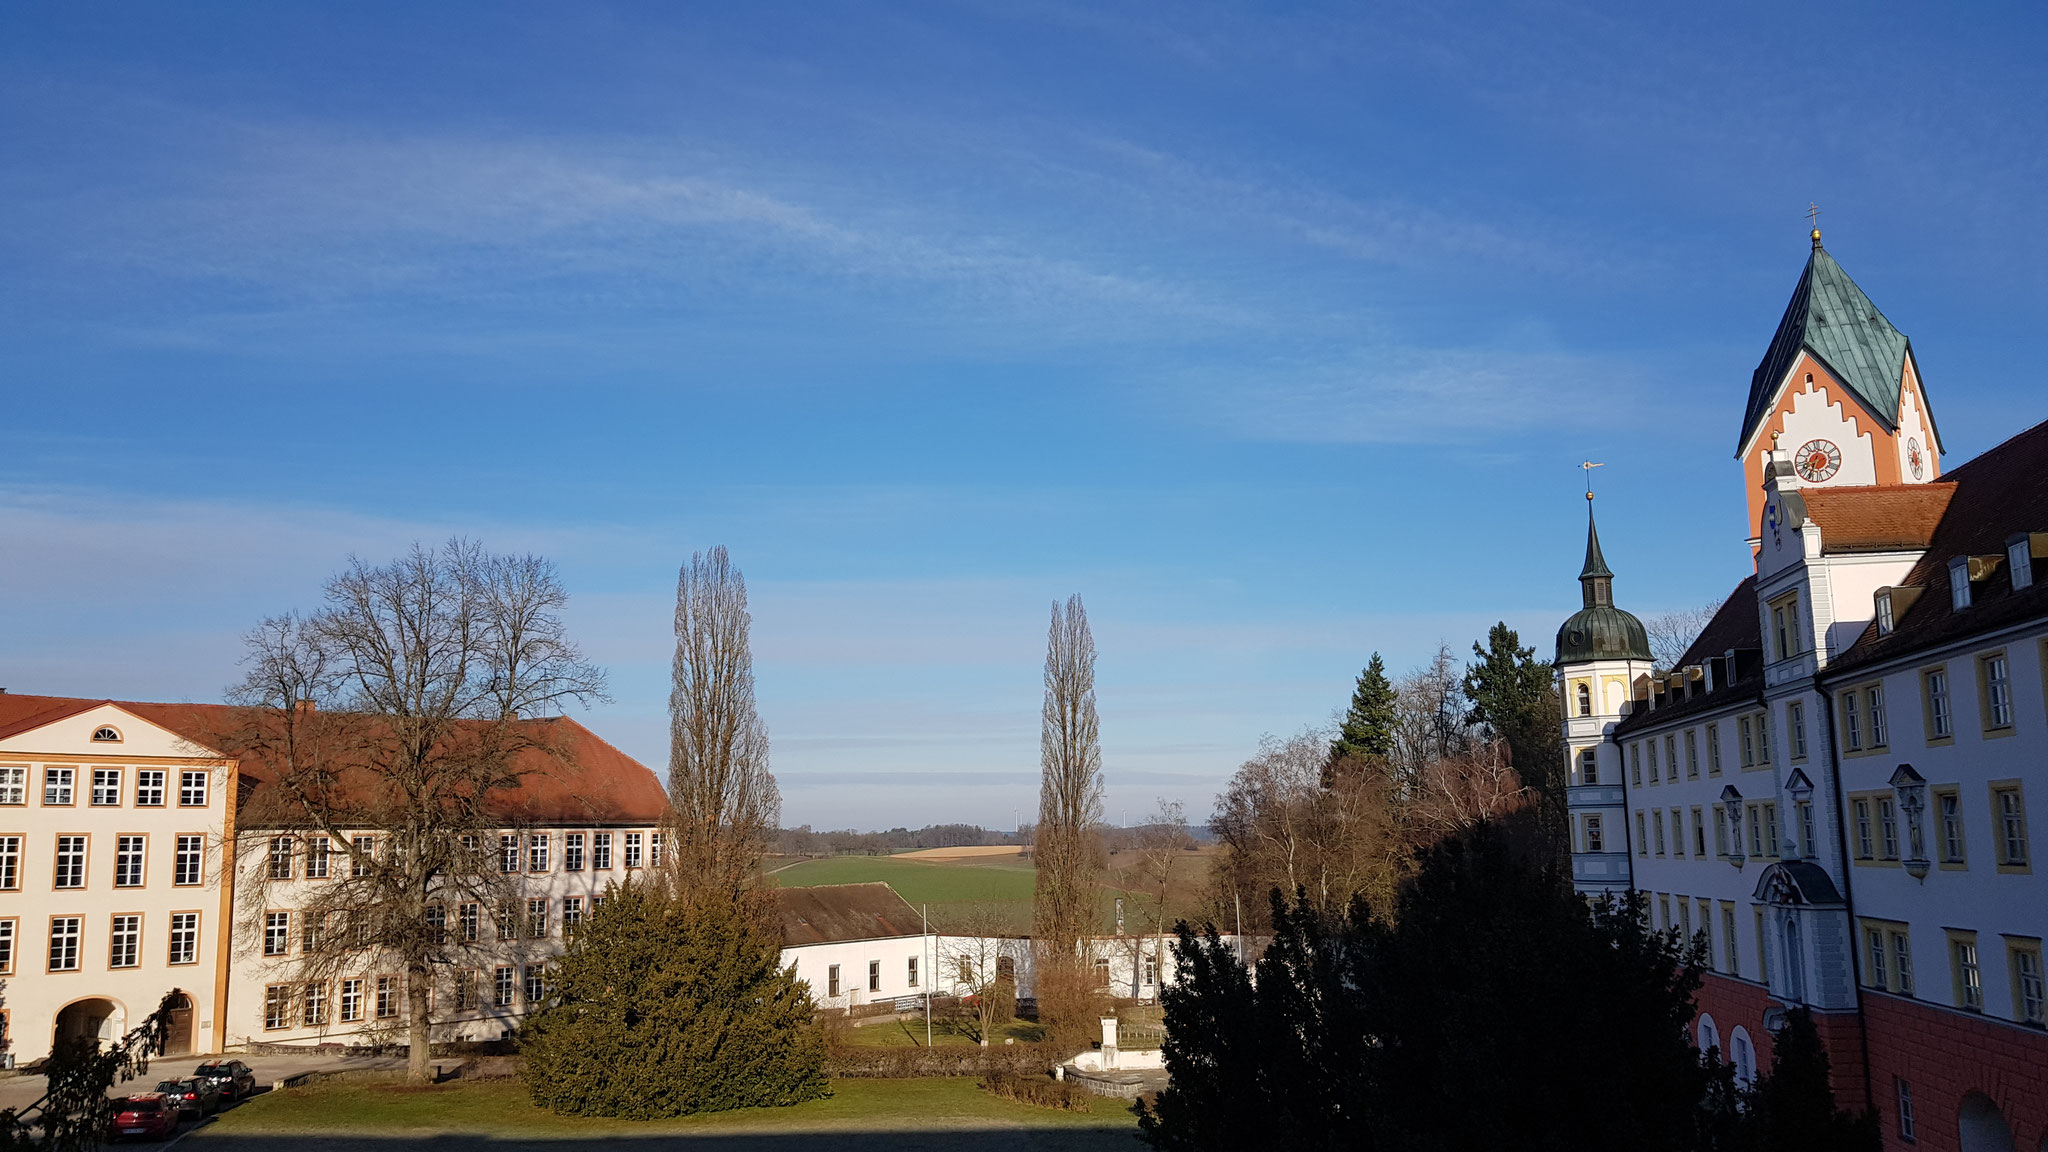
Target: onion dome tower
{"x": 1602, "y": 652}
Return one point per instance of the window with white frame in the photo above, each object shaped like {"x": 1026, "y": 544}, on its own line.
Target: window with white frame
{"x": 281, "y": 857}
{"x": 124, "y": 941}
{"x": 468, "y": 918}
{"x": 507, "y": 921}
{"x": 10, "y": 863}
{"x": 13, "y": 784}
{"x": 65, "y": 935}
{"x": 654, "y": 849}
{"x": 1904, "y": 1091}
{"x": 572, "y": 915}
{"x": 632, "y": 849}
{"x": 2019, "y": 560}
{"x": 128, "y": 857}
{"x": 277, "y": 933}
{"x": 277, "y": 1006}
{"x": 911, "y": 974}
{"x": 1692, "y": 754}
{"x": 319, "y": 853}
{"x": 501, "y": 986}
{"x": 184, "y": 941}
{"x": 508, "y": 854}
{"x": 1589, "y": 766}
{"x": 149, "y": 787}
{"x": 1967, "y": 975}
{"x": 387, "y": 997}
{"x": 313, "y": 1012}
{"x": 536, "y": 983}
{"x": 1595, "y": 842}
{"x": 1888, "y": 828}
{"x": 537, "y": 918}
{"x": 352, "y": 1000}
{"x": 192, "y": 789}
{"x": 1874, "y": 697}
{"x": 1852, "y": 722}
{"x": 2009, "y": 809}
{"x": 2030, "y": 998}
{"x": 1959, "y": 583}
{"x": 1795, "y": 728}
{"x": 572, "y": 852}
{"x": 364, "y": 858}
{"x": 1884, "y": 613}
{"x": 1713, "y": 749}
{"x": 70, "y": 870}
{"x": 537, "y": 852}
{"x": 188, "y": 863}
{"x": 601, "y": 851}
{"x": 1997, "y": 691}
{"x": 7, "y": 933}
{"x": 1940, "y": 717}
{"x": 106, "y": 787}
{"x": 58, "y": 786}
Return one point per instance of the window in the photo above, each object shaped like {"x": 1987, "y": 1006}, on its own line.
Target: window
{"x": 654, "y": 849}
{"x": 1959, "y": 583}
{"x": 507, "y": 921}
{"x": 572, "y": 915}
{"x": 351, "y": 1000}
{"x": 312, "y": 932}
{"x": 280, "y": 857}
{"x": 601, "y": 851}
{"x": 7, "y": 928}
{"x": 1874, "y": 696}
{"x": 501, "y": 986}
{"x": 1997, "y": 692}
{"x": 1865, "y": 847}
{"x": 65, "y": 932}
{"x": 10, "y": 863}
{"x": 1657, "y": 818}
{"x": 1635, "y": 763}
{"x": 57, "y": 786}
{"x": 2008, "y": 808}
{"x": 2019, "y": 561}
{"x": 467, "y": 917}
{"x": 536, "y": 983}
{"x": 189, "y": 865}
{"x": 387, "y": 997}
{"x": 2024, "y": 958}
{"x": 1810, "y": 846}
{"x": 911, "y": 976}
{"x": 1781, "y": 631}
{"x": 1671, "y": 757}
{"x": 1950, "y": 807}
{"x": 124, "y": 942}
{"x": 1770, "y": 827}
{"x": 1728, "y": 937}
{"x": 318, "y": 851}
{"x": 1885, "y": 622}
{"x": 537, "y": 918}
{"x": 1748, "y": 741}
{"x": 874, "y": 975}
{"x": 1642, "y": 835}
{"x": 1904, "y": 1091}
{"x": 437, "y": 924}
{"x": 1594, "y": 841}
{"x": 1151, "y": 971}
{"x": 1888, "y": 827}
{"x": 106, "y": 734}
{"x": 1756, "y": 830}
{"x": 184, "y": 938}
{"x": 632, "y": 849}
{"x": 508, "y": 854}
{"x": 106, "y": 787}
{"x": 1902, "y": 964}
{"x": 128, "y": 857}
{"x": 1699, "y": 833}
{"x": 1589, "y": 766}
{"x": 1852, "y": 723}
{"x": 314, "y": 1012}
{"x": 1684, "y": 917}
{"x": 1763, "y": 738}
{"x": 572, "y": 852}
{"x": 1940, "y": 719}
{"x": 537, "y": 852}
{"x": 1652, "y": 746}
{"x": 1677, "y": 832}
{"x": 831, "y": 976}
{"x": 149, "y": 787}
{"x": 1692, "y": 755}
{"x": 1964, "y": 972}
{"x": 277, "y": 933}
{"x": 1713, "y": 749}
{"x": 1795, "y": 728}
{"x": 1720, "y": 831}
{"x": 192, "y": 789}
{"x": 277, "y": 1006}
{"x": 1584, "y": 696}
{"x": 1663, "y": 911}
{"x": 1888, "y": 956}
{"x": 465, "y": 990}
{"x": 70, "y": 872}
{"x": 364, "y": 856}
{"x": 13, "y": 784}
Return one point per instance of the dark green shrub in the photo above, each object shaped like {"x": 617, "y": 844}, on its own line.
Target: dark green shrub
{"x": 663, "y": 1007}
{"x": 1038, "y": 1090}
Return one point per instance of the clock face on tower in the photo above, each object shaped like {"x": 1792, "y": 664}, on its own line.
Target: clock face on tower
{"x": 1913, "y": 458}
{"x": 1817, "y": 460}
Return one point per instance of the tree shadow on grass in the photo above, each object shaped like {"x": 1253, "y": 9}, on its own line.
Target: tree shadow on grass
{"x": 957, "y": 1140}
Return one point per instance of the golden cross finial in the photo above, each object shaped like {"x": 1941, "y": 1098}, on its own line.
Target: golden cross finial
{"x": 1588, "y": 466}
{"x": 1813, "y": 218}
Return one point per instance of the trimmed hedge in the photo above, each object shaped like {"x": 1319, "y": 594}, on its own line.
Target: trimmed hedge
{"x": 1040, "y": 1091}
{"x": 897, "y": 1062}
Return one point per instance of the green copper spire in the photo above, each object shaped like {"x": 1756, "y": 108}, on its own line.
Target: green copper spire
{"x": 1595, "y": 579}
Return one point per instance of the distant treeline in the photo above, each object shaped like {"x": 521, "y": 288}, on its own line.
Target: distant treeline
{"x": 804, "y": 841}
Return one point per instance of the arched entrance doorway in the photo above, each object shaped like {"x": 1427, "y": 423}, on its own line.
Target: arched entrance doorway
{"x": 97, "y": 1017}
{"x": 1983, "y": 1126}
{"x": 178, "y": 1040}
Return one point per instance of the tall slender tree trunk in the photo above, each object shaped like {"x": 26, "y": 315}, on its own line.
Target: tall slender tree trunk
{"x": 418, "y": 980}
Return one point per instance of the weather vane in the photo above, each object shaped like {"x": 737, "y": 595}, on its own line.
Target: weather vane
{"x": 1589, "y": 466}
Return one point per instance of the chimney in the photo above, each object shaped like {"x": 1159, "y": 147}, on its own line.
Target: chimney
{"x": 304, "y": 707}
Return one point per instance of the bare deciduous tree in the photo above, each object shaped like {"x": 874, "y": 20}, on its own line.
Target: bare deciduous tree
{"x": 981, "y": 958}
{"x": 1292, "y": 819}
{"x": 391, "y": 725}
{"x": 726, "y": 802}
{"x": 1069, "y": 808}
{"x": 1462, "y": 790}
{"x": 1673, "y": 632}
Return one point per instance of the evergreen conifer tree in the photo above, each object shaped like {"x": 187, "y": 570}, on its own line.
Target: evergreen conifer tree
{"x": 1368, "y": 728}
{"x": 1793, "y": 1109}
{"x": 1513, "y": 696}
{"x": 665, "y": 1006}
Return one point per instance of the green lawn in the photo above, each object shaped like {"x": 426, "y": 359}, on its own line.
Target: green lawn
{"x": 500, "y": 1112}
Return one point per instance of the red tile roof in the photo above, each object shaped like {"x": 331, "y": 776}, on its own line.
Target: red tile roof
{"x": 1892, "y": 517}
{"x": 568, "y": 775}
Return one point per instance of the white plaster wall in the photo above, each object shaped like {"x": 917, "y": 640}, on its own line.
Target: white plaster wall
{"x": 1815, "y": 415}
{"x": 814, "y": 961}
{"x": 34, "y": 995}
{"x": 1914, "y": 425}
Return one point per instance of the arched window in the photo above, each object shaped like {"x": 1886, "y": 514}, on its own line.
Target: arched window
{"x": 1982, "y": 1126}
{"x": 105, "y": 734}
{"x": 1740, "y": 1055}
{"x": 1709, "y": 1036}
{"x": 1585, "y": 696}
{"x": 1795, "y": 960}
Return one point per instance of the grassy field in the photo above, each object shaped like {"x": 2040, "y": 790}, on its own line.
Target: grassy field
{"x": 860, "y": 1114}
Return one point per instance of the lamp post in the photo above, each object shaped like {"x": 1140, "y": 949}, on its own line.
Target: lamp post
{"x": 1731, "y": 799}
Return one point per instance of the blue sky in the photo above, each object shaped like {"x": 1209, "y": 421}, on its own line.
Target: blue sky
{"x": 1277, "y": 333}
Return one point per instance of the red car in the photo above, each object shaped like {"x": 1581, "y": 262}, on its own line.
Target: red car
{"x": 150, "y": 1114}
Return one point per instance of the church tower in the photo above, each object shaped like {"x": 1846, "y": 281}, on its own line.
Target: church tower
{"x": 1603, "y": 654}
{"x": 1839, "y": 389}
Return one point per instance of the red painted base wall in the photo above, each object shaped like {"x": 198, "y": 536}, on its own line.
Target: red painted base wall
{"x": 1731, "y": 1002}
{"x": 1946, "y": 1055}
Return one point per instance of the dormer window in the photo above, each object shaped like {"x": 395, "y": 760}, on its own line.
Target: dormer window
{"x": 1959, "y": 583}
{"x": 105, "y": 734}
{"x": 2019, "y": 560}
{"x": 1884, "y": 612}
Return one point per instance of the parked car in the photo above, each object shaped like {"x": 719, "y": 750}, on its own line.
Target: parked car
{"x": 148, "y": 1114}
{"x": 197, "y": 1097}
{"x": 232, "y": 1076}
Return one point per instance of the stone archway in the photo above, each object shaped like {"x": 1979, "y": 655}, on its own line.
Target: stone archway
{"x": 178, "y": 1038}
{"x": 1982, "y": 1126}
{"x": 99, "y": 1017}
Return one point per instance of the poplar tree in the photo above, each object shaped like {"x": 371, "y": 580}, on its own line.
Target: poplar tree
{"x": 1069, "y": 808}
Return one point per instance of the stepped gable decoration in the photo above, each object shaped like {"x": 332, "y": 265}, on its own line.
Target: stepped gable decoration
{"x": 570, "y": 775}
{"x": 1830, "y": 317}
